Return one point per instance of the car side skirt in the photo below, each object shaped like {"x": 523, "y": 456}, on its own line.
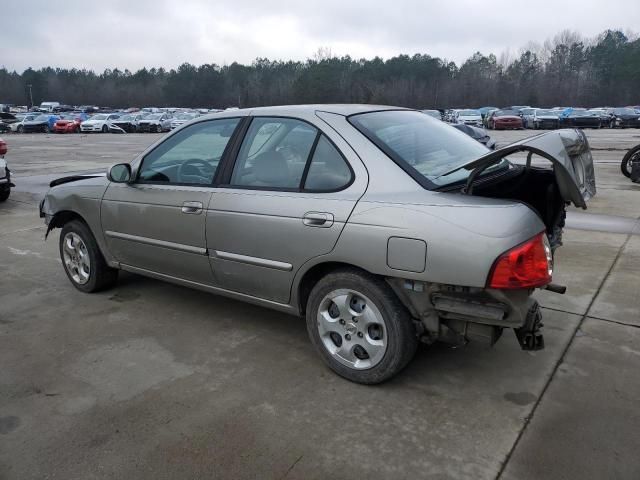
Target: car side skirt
{"x": 281, "y": 307}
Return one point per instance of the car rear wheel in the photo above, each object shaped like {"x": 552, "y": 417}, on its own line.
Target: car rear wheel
{"x": 47, "y": 129}
{"x": 82, "y": 260}
{"x": 20, "y": 129}
{"x": 625, "y": 166}
{"x": 359, "y": 327}
{"x": 105, "y": 129}
{"x": 4, "y": 194}
{"x": 158, "y": 129}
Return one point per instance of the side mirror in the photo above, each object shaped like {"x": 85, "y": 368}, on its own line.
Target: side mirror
{"x": 120, "y": 173}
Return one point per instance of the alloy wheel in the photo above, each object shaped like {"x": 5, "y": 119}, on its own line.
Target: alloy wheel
{"x": 352, "y": 329}
{"x": 76, "y": 258}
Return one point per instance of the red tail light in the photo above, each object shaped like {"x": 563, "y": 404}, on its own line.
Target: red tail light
{"x": 528, "y": 265}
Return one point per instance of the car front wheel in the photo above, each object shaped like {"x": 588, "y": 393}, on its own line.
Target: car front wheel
{"x": 359, "y": 327}
{"x": 82, "y": 260}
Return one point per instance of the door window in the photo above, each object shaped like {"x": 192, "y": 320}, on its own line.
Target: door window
{"x": 274, "y": 154}
{"x": 191, "y": 156}
{"x": 328, "y": 170}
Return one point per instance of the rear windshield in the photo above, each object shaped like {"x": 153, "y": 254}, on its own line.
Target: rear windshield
{"x": 424, "y": 147}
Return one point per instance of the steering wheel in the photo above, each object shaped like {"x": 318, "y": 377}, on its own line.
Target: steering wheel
{"x": 195, "y": 167}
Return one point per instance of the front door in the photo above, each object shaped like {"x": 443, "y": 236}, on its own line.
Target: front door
{"x": 286, "y": 201}
{"x": 157, "y": 222}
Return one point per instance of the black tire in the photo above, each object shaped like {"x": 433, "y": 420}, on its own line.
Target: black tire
{"x": 101, "y": 276}
{"x": 47, "y": 129}
{"x": 105, "y": 129}
{"x": 625, "y": 166}
{"x": 401, "y": 337}
{"x": 4, "y": 194}
{"x": 158, "y": 129}
{"x": 20, "y": 129}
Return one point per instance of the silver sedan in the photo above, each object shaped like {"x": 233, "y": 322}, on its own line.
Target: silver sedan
{"x": 382, "y": 226}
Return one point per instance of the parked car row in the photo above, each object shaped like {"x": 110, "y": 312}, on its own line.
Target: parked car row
{"x": 518, "y": 117}
{"x": 149, "y": 119}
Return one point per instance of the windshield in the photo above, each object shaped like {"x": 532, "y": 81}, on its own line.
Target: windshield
{"x": 100, "y": 116}
{"x": 469, "y": 113}
{"x": 42, "y": 118}
{"x": 185, "y": 116}
{"x": 126, "y": 118}
{"x": 155, "y": 116}
{"x": 624, "y": 111}
{"x": 421, "y": 145}
{"x": 546, "y": 112}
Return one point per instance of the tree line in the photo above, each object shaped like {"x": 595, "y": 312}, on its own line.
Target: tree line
{"x": 567, "y": 70}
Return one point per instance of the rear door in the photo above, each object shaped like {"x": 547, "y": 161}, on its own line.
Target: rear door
{"x": 157, "y": 222}
{"x": 285, "y": 200}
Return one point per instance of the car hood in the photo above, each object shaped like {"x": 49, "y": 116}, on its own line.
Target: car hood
{"x": 93, "y": 122}
{"x": 568, "y": 150}
{"x": 75, "y": 178}
{"x": 547, "y": 117}
{"x": 507, "y": 117}
{"x": 35, "y": 122}
{"x": 628, "y": 116}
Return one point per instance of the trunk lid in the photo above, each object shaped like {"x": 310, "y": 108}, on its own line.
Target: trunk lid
{"x": 568, "y": 150}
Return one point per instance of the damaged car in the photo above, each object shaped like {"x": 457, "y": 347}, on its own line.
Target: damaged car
{"x": 381, "y": 226}
{"x": 155, "y": 122}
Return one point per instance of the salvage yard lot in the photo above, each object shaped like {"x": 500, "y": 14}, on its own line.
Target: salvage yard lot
{"x": 152, "y": 380}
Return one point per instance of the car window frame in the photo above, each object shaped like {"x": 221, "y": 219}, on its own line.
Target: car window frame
{"x": 221, "y": 164}
{"x": 225, "y": 181}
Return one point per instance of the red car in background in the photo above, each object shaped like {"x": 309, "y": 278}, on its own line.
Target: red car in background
{"x": 504, "y": 120}
{"x": 68, "y": 123}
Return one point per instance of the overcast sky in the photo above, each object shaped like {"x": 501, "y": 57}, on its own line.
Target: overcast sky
{"x": 136, "y": 33}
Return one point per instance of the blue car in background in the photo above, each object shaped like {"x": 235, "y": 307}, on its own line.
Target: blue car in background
{"x": 42, "y": 123}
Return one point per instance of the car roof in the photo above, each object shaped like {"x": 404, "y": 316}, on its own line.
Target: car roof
{"x": 337, "y": 108}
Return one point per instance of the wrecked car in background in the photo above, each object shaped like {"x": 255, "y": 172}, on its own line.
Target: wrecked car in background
{"x": 381, "y": 226}
{"x": 155, "y": 122}
{"x": 127, "y": 123}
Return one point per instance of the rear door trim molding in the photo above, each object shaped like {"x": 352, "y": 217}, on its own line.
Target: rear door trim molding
{"x": 257, "y": 261}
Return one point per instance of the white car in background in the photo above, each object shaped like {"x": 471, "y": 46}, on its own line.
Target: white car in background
{"x": 98, "y": 123}
{"x": 183, "y": 118}
{"x": 468, "y": 117}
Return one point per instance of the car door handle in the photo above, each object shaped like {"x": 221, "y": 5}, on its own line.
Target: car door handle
{"x": 318, "y": 219}
{"x": 193, "y": 208}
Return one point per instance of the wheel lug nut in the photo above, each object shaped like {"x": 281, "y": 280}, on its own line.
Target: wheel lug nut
{"x": 342, "y": 322}
{"x": 360, "y": 334}
{"x": 347, "y": 337}
{"x": 355, "y": 320}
